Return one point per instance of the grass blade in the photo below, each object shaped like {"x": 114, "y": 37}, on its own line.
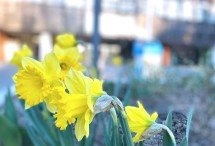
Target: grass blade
{"x": 127, "y": 95}
{"x": 10, "y": 111}
{"x": 166, "y": 138}
{"x": 9, "y": 133}
{"x": 35, "y": 138}
{"x": 106, "y": 135}
{"x": 115, "y": 127}
{"x": 38, "y": 123}
{"x": 90, "y": 139}
{"x": 117, "y": 87}
{"x": 141, "y": 143}
{"x": 189, "y": 119}
{"x": 125, "y": 128}
{"x": 184, "y": 141}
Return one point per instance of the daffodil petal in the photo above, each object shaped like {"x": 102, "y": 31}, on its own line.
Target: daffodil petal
{"x": 27, "y": 61}
{"x": 52, "y": 66}
{"x": 79, "y": 128}
{"x": 154, "y": 116}
{"x": 96, "y": 87}
{"x": 17, "y": 56}
{"x": 75, "y": 82}
{"x": 26, "y": 51}
{"x": 51, "y": 107}
{"x": 61, "y": 120}
{"x": 137, "y": 137}
{"x": 27, "y": 106}
{"x": 88, "y": 119}
{"x": 77, "y": 104}
{"x": 143, "y": 111}
{"x": 136, "y": 115}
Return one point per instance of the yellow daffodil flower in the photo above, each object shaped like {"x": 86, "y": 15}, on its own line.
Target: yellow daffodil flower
{"x": 66, "y": 41}
{"x": 69, "y": 58}
{"x": 18, "y": 55}
{"x": 78, "y": 103}
{"x": 117, "y": 60}
{"x": 139, "y": 120}
{"x": 35, "y": 81}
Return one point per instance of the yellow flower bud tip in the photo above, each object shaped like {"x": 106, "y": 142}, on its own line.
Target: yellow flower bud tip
{"x": 139, "y": 120}
{"x": 66, "y": 41}
{"x": 117, "y": 60}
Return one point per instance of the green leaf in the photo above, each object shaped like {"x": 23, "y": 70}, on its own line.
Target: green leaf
{"x": 90, "y": 139}
{"x": 39, "y": 125}
{"x": 82, "y": 142}
{"x": 115, "y": 127}
{"x": 141, "y": 143}
{"x": 189, "y": 119}
{"x": 10, "y": 111}
{"x": 166, "y": 138}
{"x": 127, "y": 95}
{"x": 66, "y": 137}
{"x": 184, "y": 142}
{"x": 126, "y": 131}
{"x": 49, "y": 122}
{"x": 122, "y": 140}
{"x": 106, "y": 135}
{"x": 117, "y": 87}
{"x": 26, "y": 141}
{"x": 9, "y": 133}
{"x": 35, "y": 138}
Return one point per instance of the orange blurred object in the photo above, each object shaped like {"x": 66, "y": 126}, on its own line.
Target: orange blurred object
{"x": 3, "y": 40}
{"x": 166, "y": 56}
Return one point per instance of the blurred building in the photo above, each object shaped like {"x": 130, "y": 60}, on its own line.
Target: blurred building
{"x": 185, "y": 26}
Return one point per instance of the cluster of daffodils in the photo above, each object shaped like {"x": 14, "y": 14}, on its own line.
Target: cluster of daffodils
{"x": 71, "y": 96}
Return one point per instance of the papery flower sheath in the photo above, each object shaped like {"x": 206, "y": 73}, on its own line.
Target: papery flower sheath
{"x": 18, "y": 55}
{"x": 139, "y": 120}
{"x": 35, "y": 81}
{"x": 78, "y": 103}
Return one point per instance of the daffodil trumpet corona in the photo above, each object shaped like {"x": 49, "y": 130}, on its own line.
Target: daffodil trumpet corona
{"x": 34, "y": 83}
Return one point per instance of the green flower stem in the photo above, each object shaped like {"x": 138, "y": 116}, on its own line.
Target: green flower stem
{"x": 141, "y": 143}
{"x": 125, "y": 127}
{"x": 82, "y": 142}
{"x": 169, "y": 132}
{"x": 72, "y": 136}
{"x": 116, "y": 127}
